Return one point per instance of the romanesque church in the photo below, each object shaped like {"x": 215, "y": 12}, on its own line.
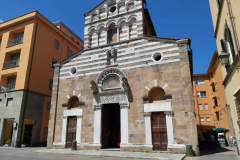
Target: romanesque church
{"x": 127, "y": 89}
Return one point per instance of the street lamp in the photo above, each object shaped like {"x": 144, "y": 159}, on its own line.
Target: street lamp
{"x": 224, "y": 58}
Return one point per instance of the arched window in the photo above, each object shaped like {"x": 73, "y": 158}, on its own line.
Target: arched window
{"x": 156, "y": 94}
{"x": 102, "y": 13}
{"x": 123, "y": 31}
{"x": 101, "y": 36}
{"x": 111, "y": 83}
{"x": 92, "y": 39}
{"x": 73, "y": 102}
{"x": 121, "y": 8}
{"x": 133, "y": 28}
{"x": 229, "y": 43}
{"x": 130, "y": 6}
{"x": 112, "y": 34}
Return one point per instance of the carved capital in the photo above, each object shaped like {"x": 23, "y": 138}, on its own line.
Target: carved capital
{"x": 80, "y": 116}
{"x": 97, "y": 107}
{"x": 169, "y": 113}
{"x": 124, "y": 105}
{"x": 147, "y": 114}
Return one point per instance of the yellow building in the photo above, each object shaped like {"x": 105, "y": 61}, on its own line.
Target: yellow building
{"x": 210, "y": 100}
{"x": 226, "y": 23}
{"x": 29, "y": 46}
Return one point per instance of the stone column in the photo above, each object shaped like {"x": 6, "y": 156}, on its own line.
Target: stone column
{"x": 169, "y": 126}
{"x": 128, "y": 31}
{"x": 118, "y": 36}
{"x": 106, "y": 35}
{"x": 79, "y": 127}
{"x": 148, "y": 128}
{"x": 64, "y": 129}
{"x": 124, "y": 122}
{"x": 53, "y": 111}
{"x": 97, "y": 124}
{"x": 97, "y": 33}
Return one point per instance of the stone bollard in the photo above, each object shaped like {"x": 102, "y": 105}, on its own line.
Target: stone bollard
{"x": 189, "y": 151}
{"x": 17, "y": 144}
{"x": 74, "y": 145}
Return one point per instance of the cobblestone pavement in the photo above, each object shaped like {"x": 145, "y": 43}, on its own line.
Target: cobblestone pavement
{"x": 7, "y": 153}
{"x": 227, "y": 153}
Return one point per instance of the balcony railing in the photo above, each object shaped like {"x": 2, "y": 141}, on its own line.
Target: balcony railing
{"x": 8, "y": 87}
{"x": 11, "y": 64}
{"x": 16, "y": 41}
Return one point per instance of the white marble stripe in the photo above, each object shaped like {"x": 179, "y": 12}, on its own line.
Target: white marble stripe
{"x": 148, "y": 44}
{"x": 149, "y": 53}
{"x": 123, "y": 58}
{"x": 86, "y": 69}
{"x": 136, "y": 66}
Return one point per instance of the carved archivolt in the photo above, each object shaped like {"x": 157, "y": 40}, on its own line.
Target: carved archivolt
{"x": 110, "y": 71}
{"x": 107, "y": 97}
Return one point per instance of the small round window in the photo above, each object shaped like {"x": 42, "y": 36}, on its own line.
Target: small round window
{"x": 157, "y": 56}
{"x": 73, "y": 70}
{"x": 113, "y": 9}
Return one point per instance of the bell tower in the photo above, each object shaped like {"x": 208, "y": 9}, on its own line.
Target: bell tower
{"x": 114, "y": 21}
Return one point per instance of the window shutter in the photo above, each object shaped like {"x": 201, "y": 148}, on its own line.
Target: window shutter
{"x": 223, "y": 44}
{"x": 229, "y": 39}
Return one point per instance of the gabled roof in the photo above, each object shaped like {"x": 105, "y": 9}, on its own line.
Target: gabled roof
{"x": 95, "y": 7}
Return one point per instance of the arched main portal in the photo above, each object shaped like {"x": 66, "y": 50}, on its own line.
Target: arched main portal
{"x": 111, "y": 104}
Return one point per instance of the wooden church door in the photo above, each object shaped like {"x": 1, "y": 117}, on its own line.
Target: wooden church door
{"x": 71, "y": 131}
{"x": 159, "y": 131}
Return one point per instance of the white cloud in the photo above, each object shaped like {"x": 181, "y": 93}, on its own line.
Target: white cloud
{"x": 1, "y": 20}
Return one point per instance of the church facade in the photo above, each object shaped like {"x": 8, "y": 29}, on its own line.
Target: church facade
{"x": 127, "y": 89}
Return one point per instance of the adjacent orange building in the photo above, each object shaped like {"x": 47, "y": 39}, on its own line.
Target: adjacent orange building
{"x": 29, "y": 46}
{"x": 210, "y": 99}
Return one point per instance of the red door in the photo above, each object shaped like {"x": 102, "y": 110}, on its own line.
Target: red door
{"x": 159, "y": 131}
{"x": 71, "y": 131}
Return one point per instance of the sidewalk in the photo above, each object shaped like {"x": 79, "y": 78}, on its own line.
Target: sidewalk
{"x": 137, "y": 155}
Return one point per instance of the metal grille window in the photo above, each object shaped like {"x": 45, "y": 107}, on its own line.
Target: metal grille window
{"x": 202, "y": 94}
{"x": 206, "y": 107}
{"x": 11, "y": 81}
{"x": 50, "y": 84}
{"x": 237, "y": 100}
{"x": 208, "y": 119}
{"x": 48, "y": 106}
{"x": 70, "y": 52}
{"x": 9, "y": 102}
{"x": 56, "y": 44}
{"x": 200, "y": 82}
{"x": 53, "y": 62}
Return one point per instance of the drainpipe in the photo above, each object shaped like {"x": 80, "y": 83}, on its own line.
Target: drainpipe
{"x": 234, "y": 34}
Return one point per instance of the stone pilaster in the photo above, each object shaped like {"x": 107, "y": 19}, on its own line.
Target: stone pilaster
{"x": 52, "y": 117}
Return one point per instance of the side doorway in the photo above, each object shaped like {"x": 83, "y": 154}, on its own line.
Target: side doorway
{"x": 71, "y": 131}
{"x": 27, "y": 140}
{"x": 159, "y": 131}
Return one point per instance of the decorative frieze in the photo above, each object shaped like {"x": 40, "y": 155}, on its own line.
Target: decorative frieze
{"x": 169, "y": 113}
{"x": 124, "y": 105}
{"x": 147, "y": 114}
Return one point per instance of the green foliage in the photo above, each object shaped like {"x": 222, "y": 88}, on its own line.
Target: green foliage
{"x": 9, "y": 141}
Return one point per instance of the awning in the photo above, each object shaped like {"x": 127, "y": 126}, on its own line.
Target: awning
{"x": 220, "y": 130}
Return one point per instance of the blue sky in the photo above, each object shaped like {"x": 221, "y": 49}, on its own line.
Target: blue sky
{"x": 171, "y": 18}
